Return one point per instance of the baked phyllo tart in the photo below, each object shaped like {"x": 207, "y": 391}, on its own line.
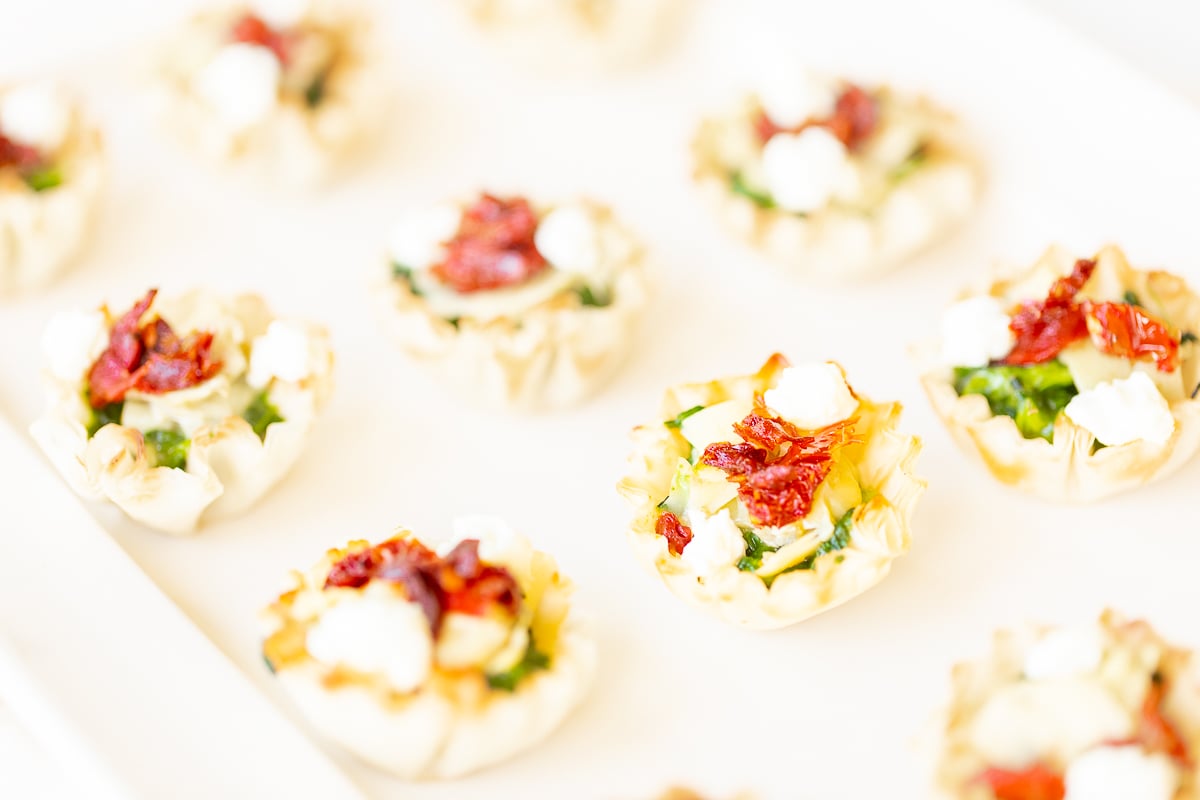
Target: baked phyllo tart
{"x": 51, "y": 171}
{"x": 1075, "y": 379}
{"x": 1103, "y": 711}
{"x": 180, "y": 409}
{"x": 516, "y": 305}
{"x": 283, "y": 88}
{"x": 431, "y": 663}
{"x": 576, "y": 35}
{"x": 768, "y": 498}
{"x": 834, "y": 179}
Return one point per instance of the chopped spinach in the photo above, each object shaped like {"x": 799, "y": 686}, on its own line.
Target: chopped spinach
{"x": 261, "y": 414}
{"x": 44, "y": 178}
{"x": 1033, "y": 395}
{"x": 1188, "y": 337}
{"x": 315, "y": 92}
{"x": 454, "y": 321}
{"x": 267, "y": 660}
{"x": 109, "y": 414}
{"x": 910, "y": 164}
{"x": 838, "y": 540}
{"x": 168, "y": 448}
{"x": 682, "y": 415}
{"x": 1131, "y": 298}
{"x": 760, "y": 198}
{"x": 756, "y": 548}
{"x": 588, "y": 297}
{"x": 405, "y": 274}
{"x": 531, "y": 662}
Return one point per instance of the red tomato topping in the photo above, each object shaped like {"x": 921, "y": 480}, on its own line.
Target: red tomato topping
{"x": 677, "y": 534}
{"x": 149, "y": 358}
{"x": 1044, "y": 327}
{"x": 1126, "y": 330}
{"x": 1155, "y": 732}
{"x": 778, "y": 467}
{"x": 493, "y": 247}
{"x": 252, "y": 30}
{"x": 1038, "y": 782}
{"x": 458, "y": 581}
{"x": 853, "y": 120}
{"x": 14, "y": 154}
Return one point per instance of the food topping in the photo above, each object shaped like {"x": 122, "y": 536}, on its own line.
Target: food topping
{"x": 852, "y": 121}
{"x": 676, "y": 533}
{"x": 1126, "y": 330}
{"x": 34, "y": 123}
{"x": 148, "y": 358}
{"x": 457, "y": 582}
{"x": 493, "y": 247}
{"x": 812, "y": 395}
{"x": 1123, "y": 410}
{"x": 1037, "y": 782}
{"x": 251, "y": 29}
{"x": 803, "y": 171}
{"x": 1044, "y": 327}
{"x": 777, "y": 467}
{"x": 976, "y": 332}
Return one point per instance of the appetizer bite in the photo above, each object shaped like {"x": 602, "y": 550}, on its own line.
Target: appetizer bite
{"x": 575, "y": 34}
{"x": 180, "y": 409}
{"x": 281, "y": 87}
{"x": 1075, "y": 379}
{"x": 515, "y": 305}
{"x": 1104, "y": 711}
{"x": 51, "y": 170}
{"x": 768, "y": 498}
{"x": 432, "y": 664}
{"x": 834, "y": 179}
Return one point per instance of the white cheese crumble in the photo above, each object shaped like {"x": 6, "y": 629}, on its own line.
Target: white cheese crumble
{"x": 976, "y": 332}
{"x": 716, "y": 542}
{"x": 1033, "y": 720}
{"x": 1121, "y": 773}
{"x": 791, "y": 97}
{"x": 804, "y": 171}
{"x": 285, "y": 352}
{"x": 1123, "y": 411}
{"x": 569, "y": 240}
{"x": 417, "y": 240}
{"x": 812, "y": 396}
{"x": 241, "y": 83}
{"x": 281, "y": 14}
{"x": 1066, "y": 653}
{"x": 36, "y": 115}
{"x": 72, "y": 342}
{"x": 375, "y": 633}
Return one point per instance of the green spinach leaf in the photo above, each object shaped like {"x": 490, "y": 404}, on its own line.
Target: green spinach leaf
{"x": 1032, "y": 395}
{"x": 681, "y": 416}
{"x": 737, "y": 183}
{"x": 401, "y": 272}
{"x": 168, "y": 448}
{"x": 756, "y": 548}
{"x": 261, "y": 414}
{"x": 105, "y": 415}
{"x": 531, "y": 662}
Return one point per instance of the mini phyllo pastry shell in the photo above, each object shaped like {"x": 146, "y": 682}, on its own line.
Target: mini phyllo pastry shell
{"x": 180, "y": 409}
{"x": 1091, "y": 712}
{"x": 576, "y": 35}
{"x": 516, "y": 306}
{"x": 282, "y": 89}
{"x": 51, "y": 171}
{"x": 1098, "y": 393}
{"x": 768, "y": 498}
{"x": 432, "y": 664}
{"x": 833, "y": 180}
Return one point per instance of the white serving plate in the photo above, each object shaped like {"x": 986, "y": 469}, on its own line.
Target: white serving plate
{"x": 1080, "y": 150}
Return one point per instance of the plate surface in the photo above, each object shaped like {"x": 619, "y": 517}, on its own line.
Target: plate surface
{"x": 1079, "y": 149}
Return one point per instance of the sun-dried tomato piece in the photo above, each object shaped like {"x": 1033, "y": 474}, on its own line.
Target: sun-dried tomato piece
{"x": 493, "y": 247}
{"x": 1043, "y": 328}
{"x": 778, "y": 467}
{"x": 674, "y": 531}
{"x": 251, "y": 29}
{"x": 14, "y": 154}
{"x": 1155, "y": 732}
{"x": 855, "y": 115}
{"x": 149, "y": 358}
{"x": 457, "y": 582}
{"x": 1037, "y": 782}
{"x": 1126, "y": 330}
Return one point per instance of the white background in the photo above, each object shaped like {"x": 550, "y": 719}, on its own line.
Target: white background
{"x": 1078, "y": 150}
